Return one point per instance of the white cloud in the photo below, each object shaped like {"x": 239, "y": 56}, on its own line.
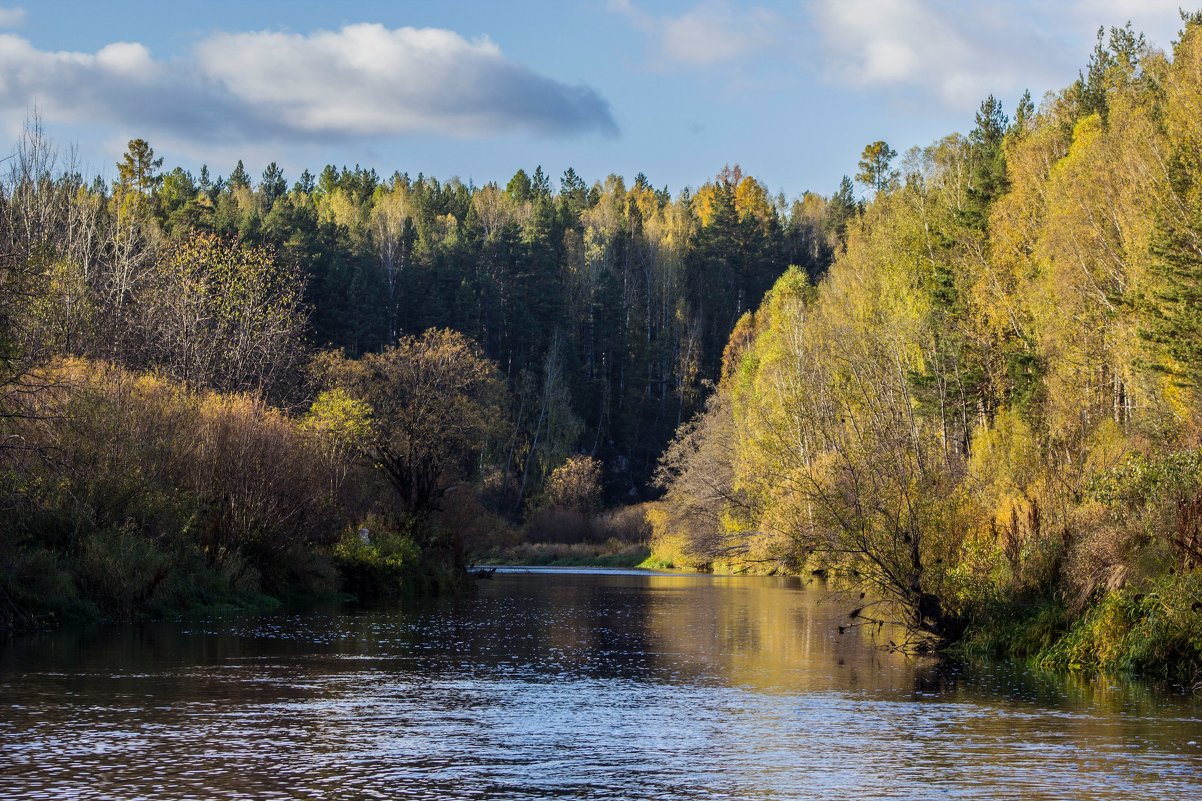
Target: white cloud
{"x": 710, "y": 33}
{"x": 372, "y": 80}
{"x": 959, "y": 51}
{"x": 125, "y": 58}
{"x": 12, "y": 17}
{"x": 962, "y": 51}
{"x": 362, "y": 80}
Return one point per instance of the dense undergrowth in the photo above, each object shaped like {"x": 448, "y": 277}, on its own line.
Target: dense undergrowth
{"x": 562, "y": 535}
{"x": 133, "y": 496}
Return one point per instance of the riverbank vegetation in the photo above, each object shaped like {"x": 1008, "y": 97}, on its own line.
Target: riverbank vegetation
{"x": 987, "y": 413}
{"x": 973, "y": 395}
{"x": 216, "y": 392}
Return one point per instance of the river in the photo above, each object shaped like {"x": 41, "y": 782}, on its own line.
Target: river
{"x": 574, "y": 685}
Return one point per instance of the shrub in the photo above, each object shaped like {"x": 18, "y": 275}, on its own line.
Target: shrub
{"x": 575, "y": 486}
{"x": 377, "y": 560}
{"x": 144, "y": 495}
{"x": 35, "y": 586}
{"x": 670, "y": 547}
{"x": 1137, "y": 631}
{"x": 560, "y": 525}
{"x": 627, "y": 524}
{"x": 119, "y": 570}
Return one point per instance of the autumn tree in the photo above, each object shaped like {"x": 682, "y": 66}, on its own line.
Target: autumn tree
{"x": 434, "y": 403}
{"x": 696, "y": 471}
{"x": 49, "y": 237}
{"x": 875, "y": 163}
{"x": 138, "y": 169}
{"x": 21, "y": 351}
{"x": 222, "y": 315}
{"x": 574, "y": 485}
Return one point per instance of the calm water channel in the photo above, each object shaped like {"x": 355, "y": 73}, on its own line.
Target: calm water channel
{"x": 555, "y": 685}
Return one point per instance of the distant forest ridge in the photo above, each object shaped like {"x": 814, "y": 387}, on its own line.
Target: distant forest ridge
{"x": 615, "y": 301}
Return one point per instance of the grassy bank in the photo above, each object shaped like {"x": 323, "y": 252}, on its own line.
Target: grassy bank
{"x": 1155, "y": 632}
{"x": 121, "y": 578}
{"x": 558, "y": 554}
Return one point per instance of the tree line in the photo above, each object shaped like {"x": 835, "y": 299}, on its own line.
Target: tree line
{"x": 613, "y": 302}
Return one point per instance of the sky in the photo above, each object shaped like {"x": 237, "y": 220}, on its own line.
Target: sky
{"x": 791, "y": 91}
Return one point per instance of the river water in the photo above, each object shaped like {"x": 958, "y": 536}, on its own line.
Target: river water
{"x": 593, "y": 685}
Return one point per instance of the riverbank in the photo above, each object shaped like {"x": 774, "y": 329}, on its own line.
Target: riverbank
{"x": 1154, "y": 632}
{"x": 111, "y": 582}
{"x": 557, "y": 554}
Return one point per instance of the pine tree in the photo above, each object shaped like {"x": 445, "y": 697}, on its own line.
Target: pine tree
{"x": 875, "y": 172}
{"x": 273, "y": 186}
{"x": 1173, "y": 314}
{"x": 239, "y": 178}
{"x": 138, "y": 169}
{"x": 987, "y": 178}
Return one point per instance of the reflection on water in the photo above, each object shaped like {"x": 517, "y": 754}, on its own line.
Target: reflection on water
{"x": 558, "y": 685}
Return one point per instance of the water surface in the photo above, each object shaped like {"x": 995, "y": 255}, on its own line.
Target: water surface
{"x": 597, "y": 685}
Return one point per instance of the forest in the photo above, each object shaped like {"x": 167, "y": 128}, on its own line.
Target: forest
{"x": 218, "y": 389}
{"x": 969, "y": 393}
{"x": 986, "y": 413}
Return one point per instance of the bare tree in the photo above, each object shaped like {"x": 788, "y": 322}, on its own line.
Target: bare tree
{"x": 222, "y": 315}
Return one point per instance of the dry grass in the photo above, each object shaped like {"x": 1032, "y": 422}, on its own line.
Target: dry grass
{"x": 626, "y": 524}
{"x": 558, "y": 554}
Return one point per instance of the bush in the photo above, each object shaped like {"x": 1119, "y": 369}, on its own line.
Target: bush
{"x": 260, "y": 480}
{"x": 625, "y": 524}
{"x": 378, "y": 561}
{"x": 670, "y": 547}
{"x": 628, "y": 524}
{"x": 574, "y": 486}
{"x": 1137, "y": 631}
{"x": 35, "y": 587}
{"x": 465, "y": 522}
{"x": 301, "y": 572}
{"x": 560, "y": 525}
{"x": 119, "y": 570}
{"x": 140, "y": 495}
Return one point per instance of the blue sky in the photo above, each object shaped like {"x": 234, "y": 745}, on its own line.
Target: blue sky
{"x": 792, "y": 91}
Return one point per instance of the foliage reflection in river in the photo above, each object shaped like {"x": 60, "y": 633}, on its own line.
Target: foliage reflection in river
{"x": 576, "y": 686}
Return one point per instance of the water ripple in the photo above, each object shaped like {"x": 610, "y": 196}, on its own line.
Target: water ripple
{"x": 575, "y": 687}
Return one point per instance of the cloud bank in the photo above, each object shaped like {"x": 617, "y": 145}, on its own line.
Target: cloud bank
{"x": 962, "y": 50}
{"x": 959, "y": 52}
{"x": 361, "y": 80}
